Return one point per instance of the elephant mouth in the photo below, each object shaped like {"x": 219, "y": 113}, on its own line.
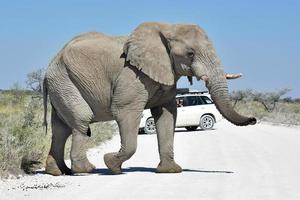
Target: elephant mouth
{"x": 203, "y": 77}
{"x": 188, "y": 70}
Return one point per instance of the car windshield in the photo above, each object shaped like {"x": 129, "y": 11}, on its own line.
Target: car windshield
{"x": 206, "y": 100}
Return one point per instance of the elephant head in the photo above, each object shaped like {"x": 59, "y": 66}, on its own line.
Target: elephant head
{"x": 165, "y": 52}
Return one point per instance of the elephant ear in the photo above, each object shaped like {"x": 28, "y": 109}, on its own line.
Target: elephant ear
{"x": 147, "y": 50}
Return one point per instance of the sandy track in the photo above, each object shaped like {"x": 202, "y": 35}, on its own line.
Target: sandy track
{"x": 254, "y": 162}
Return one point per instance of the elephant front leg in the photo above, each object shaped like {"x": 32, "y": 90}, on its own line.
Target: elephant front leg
{"x": 128, "y": 123}
{"x": 79, "y": 160}
{"x": 165, "y": 119}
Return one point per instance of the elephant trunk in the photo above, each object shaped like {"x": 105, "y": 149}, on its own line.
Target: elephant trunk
{"x": 219, "y": 93}
{"x": 212, "y": 72}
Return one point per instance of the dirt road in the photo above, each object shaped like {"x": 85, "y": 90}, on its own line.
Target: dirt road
{"x": 254, "y": 162}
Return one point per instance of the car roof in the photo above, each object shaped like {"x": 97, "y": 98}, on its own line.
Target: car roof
{"x": 187, "y": 95}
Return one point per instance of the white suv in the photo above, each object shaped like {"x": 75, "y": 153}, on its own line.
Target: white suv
{"x": 193, "y": 109}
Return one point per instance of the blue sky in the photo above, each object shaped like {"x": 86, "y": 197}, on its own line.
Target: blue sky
{"x": 260, "y": 39}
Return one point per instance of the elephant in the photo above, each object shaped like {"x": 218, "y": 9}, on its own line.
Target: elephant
{"x": 98, "y": 77}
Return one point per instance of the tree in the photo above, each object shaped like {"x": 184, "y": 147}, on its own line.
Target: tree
{"x": 297, "y": 100}
{"x": 269, "y": 99}
{"x": 35, "y": 80}
{"x": 288, "y": 100}
{"x": 241, "y": 95}
{"x": 17, "y": 92}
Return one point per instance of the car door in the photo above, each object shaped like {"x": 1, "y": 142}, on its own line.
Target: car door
{"x": 211, "y": 108}
{"x": 189, "y": 115}
{"x": 180, "y": 121}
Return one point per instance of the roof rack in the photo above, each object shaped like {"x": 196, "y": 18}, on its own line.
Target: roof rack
{"x": 188, "y": 91}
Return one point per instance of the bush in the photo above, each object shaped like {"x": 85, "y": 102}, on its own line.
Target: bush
{"x": 241, "y": 95}
{"x": 269, "y": 99}
{"x": 23, "y": 143}
{"x": 35, "y": 79}
{"x": 22, "y": 139}
{"x": 267, "y": 106}
{"x": 284, "y": 113}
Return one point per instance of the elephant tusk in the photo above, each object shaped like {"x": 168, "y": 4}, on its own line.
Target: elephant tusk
{"x": 233, "y": 76}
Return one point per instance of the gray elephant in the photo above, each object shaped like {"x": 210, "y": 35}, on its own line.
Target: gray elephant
{"x": 97, "y": 77}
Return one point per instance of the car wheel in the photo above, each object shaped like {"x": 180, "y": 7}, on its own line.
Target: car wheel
{"x": 191, "y": 128}
{"x": 207, "y": 122}
{"x": 141, "y": 131}
{"x": 150, "y": 126}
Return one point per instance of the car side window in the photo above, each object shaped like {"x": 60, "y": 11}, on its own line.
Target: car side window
{"x": 185, "y": 101}
{"x": 192, "y": 101}
{"x": 206, "y": 100}
{"x": 200, "y": 101}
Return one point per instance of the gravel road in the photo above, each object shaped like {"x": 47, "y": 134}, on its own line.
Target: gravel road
{"x": 229, "y": 162}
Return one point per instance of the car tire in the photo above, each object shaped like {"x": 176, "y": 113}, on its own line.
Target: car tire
{"x": 191, "y": 128}
{"x": 141, "y": 131}
{"x": 150, "y": 126}
{"x": 207, "y": 122}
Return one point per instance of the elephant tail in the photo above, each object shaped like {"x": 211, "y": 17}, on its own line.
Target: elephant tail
{"x": 45, "y": 99}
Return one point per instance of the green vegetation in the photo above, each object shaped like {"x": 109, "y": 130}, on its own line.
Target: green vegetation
{"x": 23, "y": 143}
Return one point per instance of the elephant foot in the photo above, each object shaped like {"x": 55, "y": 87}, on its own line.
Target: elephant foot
{"x": 53, "y": 169}
{"x": 113, "y": 163}
{"x": 168, "y": 167}
{"x": 82, "y": 166}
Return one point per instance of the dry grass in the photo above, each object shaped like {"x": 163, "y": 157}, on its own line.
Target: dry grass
{"x": 284, "y": 113}
{"x": 21, "y": 136}
{"x": 23, "y": 143}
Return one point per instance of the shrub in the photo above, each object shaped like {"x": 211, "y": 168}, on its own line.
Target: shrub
{"x": 22, "y": 139}
{"x": 241, "y": 95}
{"x": 269, "y": 99}
{"x": 267, "y": 106}
{"x": 35, "y": 79}
{"x": 23, "y": 143}
{"x": 284, "y": 113}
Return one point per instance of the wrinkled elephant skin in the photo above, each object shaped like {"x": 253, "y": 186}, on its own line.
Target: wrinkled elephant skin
{"x": 97, "y": 77}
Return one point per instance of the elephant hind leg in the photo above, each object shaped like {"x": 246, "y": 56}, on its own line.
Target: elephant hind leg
{"x": 55, "y": 163}
{"x": 75, "y": 112}
{"x": 78, "y": 115}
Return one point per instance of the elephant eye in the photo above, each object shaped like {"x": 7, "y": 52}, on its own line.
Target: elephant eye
{"x": 190, "y": 54}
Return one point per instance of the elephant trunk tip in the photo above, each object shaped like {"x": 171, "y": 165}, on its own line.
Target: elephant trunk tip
{"x": 252, "y": 120}
{"x": 249, "y": 121}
